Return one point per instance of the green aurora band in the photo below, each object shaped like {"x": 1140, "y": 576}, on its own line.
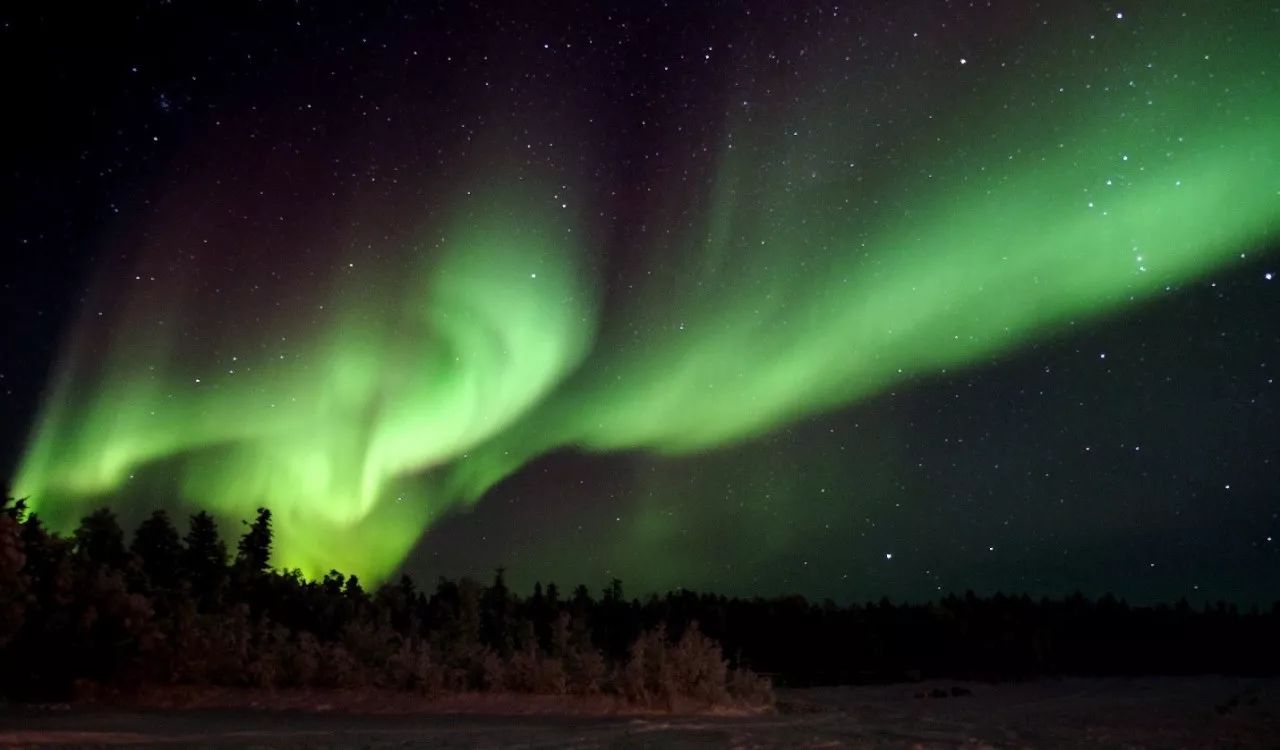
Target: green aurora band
{"x": 836, "y": 254}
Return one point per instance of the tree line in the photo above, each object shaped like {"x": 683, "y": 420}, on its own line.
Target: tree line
{"x": 171, "y": 608}
{"x": 164, "y": 608}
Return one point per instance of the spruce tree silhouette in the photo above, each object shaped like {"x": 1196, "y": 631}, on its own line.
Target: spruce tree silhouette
{"x": 253, "y": 556}
{"x": 13, "y": 582}
{"x": 100, "y": 539}
{"x": 204, "y": 560}
{"x": 495, "y": 615}
{"x": 157, "y": 543}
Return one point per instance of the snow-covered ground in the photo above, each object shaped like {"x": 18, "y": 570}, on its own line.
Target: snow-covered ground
{"x": 1151, "y": 713}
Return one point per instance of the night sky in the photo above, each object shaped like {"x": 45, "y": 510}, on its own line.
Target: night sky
{"x": 845, "y": 300}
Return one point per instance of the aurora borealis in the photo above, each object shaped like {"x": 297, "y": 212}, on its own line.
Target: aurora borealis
{"x": 384, "y": 271}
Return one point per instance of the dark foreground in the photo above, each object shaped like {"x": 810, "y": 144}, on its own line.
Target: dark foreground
{"x": 1153, "y": 713}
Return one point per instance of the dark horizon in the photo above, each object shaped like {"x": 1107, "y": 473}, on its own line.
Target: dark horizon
{"x": 128, "y": 611}
{"x": 524, "y": 582}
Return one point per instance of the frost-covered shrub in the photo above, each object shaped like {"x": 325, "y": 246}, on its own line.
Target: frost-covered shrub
{"x": 552, "y": 679}
{"x": 493, "y": 672}
{"x": 338, "y": 668}
{"x": 370, "y": 643}
{"x": 302, "y": 660}
{"x": 522, "y": 671}
{"x": 429, "y": 671}
{"x": 587, "y": 670}
{"x": 750, "y": 689}
{"x": 698, "y": 667}
{"x": 267, "y": 660}
{"x": 649, "y": 678}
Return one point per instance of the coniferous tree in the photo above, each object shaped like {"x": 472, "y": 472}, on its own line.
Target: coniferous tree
{"x": 15, "y": 509}
{"x": 539, "y": 613}
{"x": 100, "y": 539}
{"x": 157, "y": 543}
{"x": 13, "y": 580}
{"x": 495, "y": 615}
{"x": 468, "y": 612}
{"x": 204, "y": 558}
{"x": 613, "y": 594}
{"x": 43, "y": 553}
{"x": 253, "y": 554}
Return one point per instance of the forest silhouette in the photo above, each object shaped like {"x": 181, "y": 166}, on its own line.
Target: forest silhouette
{"x": 165, "y": 608}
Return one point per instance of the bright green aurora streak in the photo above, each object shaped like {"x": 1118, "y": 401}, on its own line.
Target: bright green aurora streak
{"x": 834, "y": 257}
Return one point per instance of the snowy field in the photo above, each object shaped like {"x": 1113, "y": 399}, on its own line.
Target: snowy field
{"x": 1147, "y": 713}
